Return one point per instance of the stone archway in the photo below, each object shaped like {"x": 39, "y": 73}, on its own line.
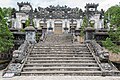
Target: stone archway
{"x": 58, "y": 27}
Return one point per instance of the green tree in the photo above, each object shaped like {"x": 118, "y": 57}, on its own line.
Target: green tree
{"x": 27, "y": 23}
{"x": 113, "y": 13}
{"x": 85, "y": 22}
{"x": 84, "y": 25}
{"x": 6, "y": 37}
{"x": 110, "y": 45}
{"x": 7, "y": 11}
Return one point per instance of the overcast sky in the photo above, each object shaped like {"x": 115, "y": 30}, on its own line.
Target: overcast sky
{"x": 105, "y": 4}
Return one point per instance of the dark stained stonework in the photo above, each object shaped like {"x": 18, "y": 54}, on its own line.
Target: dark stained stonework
{"x": 53, "y": 12}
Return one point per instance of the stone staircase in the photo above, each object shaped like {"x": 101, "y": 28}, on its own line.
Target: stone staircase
{"x": 57, "y": 55}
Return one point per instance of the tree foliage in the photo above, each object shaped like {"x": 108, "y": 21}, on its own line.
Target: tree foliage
{"x": 6, "y": 37}
{"x": 114, "y": 34}
{"x": 27, "y": 22}
{"x": 113, "y": 13}
{"x": 84, "y": 25}
{"x": 7, "y": 11}
{"x": 111, "y": 46}
{"x": 85, "y": 22}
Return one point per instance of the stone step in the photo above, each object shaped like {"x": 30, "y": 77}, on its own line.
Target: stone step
{"x": 61, "y": 69}
{"x": 48, "y": 51}
{"x": 37, "y": 52}
{"x": 62, "y": 73}
{"x": 74, "y": 55}
{"x": 42, "y": 50}
{"x": 79, "y": 50}
{"x": 41, "y": 55}
{"x": 59, "y": 53}
{"x": 56, "y": 47}
{"x": 61, "y": 61}
{"x": 61, "y": 64}
{"x": 60, "y": 58}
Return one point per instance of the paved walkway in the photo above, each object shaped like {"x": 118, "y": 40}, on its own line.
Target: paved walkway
{"x": 59, "y": 78}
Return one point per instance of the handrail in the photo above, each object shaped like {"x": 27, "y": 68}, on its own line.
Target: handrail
{"x": 106, "y": 66}
{"x": 18, "y": 60}
{"x": 96, "y": 59}
{"x": 27, "y": 56}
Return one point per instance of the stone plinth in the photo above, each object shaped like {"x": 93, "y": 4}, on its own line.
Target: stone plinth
{"x": 30, "y": 34}
{"x": 89, "y": 33}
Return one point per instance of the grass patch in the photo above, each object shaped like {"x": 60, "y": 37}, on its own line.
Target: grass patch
{"x": 108, "y": 44}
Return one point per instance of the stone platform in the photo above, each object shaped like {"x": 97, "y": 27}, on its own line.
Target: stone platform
{"x": 59, "y": 78}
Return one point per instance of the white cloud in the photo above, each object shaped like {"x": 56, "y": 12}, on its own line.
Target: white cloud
{"x": 105, "y": 4}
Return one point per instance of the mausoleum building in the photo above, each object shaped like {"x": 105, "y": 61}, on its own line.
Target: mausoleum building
{"x": 57, "y": 19}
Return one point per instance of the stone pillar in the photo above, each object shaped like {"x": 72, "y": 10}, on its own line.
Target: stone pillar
{"x": 53, "y": 26}
{"x": 38, "y": 23}
{"x": 17, "y": 24}
{"x": 68, "y": 25}
{"x": 63, "y": 25}
{"x": 102, "y": 22}
{"x": 13, "y": 23}
{"x": 97, "y": 21}
{"x": 30, "y": 34}
{"x": 81, "y": 22}
{"x": 20, "y": 24}
{"x": 48, "y": 24}
{"x": 50, "y": 28}
{"x": 89, "y": 33}
{"x": 78, "y": 24}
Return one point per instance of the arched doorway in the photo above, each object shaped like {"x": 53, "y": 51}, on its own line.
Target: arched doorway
{"x": 58, "y": 27}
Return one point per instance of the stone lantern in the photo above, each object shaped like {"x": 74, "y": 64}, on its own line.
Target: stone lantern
{"x": 30, "y": 34}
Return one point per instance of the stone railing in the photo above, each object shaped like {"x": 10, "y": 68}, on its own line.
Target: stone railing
{"x": 18, "y": 60}
{"x": 100, "y": 51}
{"x": 102, "y": 57}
